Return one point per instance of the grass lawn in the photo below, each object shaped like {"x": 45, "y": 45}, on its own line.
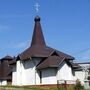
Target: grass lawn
{"x": 21, "y": 88}
{"x": 26, "y": 88}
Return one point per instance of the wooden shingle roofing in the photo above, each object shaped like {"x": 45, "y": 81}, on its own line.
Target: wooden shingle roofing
{"x": 38, "y": 46}
{"x": 5, "y": 68}
{"x": 7, "y": 57}
{"x": 51, "y": 61}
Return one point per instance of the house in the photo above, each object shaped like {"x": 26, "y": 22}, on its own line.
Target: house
{"x": 5, "y": 70}
{"x": 83, "y": 74}
{"x": 40, "y": 64}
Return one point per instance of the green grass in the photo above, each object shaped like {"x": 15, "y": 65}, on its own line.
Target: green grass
{"x": 21, "y": 88}
{"x": 28, "y": 88}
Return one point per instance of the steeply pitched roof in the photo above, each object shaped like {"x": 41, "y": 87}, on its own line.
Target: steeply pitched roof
{"x": 51, "y": 61}
{"x": 38, "y": 38}
{"x": 38, "y": 46}
{"x": 36, "y": 51}
{"x": 66, "y": 56}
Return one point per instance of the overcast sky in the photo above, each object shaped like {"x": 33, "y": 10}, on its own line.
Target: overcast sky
{"x": 65, "y": 24}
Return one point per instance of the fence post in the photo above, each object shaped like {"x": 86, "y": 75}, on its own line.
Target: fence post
{"x": 65, "y": 85}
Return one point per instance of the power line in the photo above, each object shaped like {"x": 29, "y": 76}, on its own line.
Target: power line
{"x": 81, "y": 51}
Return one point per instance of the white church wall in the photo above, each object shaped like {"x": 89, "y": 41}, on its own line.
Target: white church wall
{"x": 31, "y": 76}
{"x": 65, "y": 72}
{"x": 37, "y": 78}
{"x": 19, "y": 72}
{"x": 28, "y": 73}
{"x": 49, "y": 76}
{"x": 14, "y": 76}
{"x": 0, "y": 82}
{"x": 3, "y": 82}
{"x": 24, "y": 72}
{"x": 80, "y": 75}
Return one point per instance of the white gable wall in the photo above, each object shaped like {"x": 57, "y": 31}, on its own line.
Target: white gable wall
{"x": 65, "y": 72}
{"x": 49, "y": 76}
{"x": 25, "y": 73}
{"x": 30, "y": 75}
{"x": 80, "y": 75}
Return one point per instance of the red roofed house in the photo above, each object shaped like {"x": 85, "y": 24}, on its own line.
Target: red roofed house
{"x": 40, "y": 64}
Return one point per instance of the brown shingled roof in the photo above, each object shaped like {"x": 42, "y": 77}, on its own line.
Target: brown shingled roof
{"x": 36, "y": 51}
{"x": 38, "y": 38}
{"x": 51, "y": 61}
{"x": 7, "y": 57}
{"x": 66, "y": 56}
{"x": 5, "y": 69}
{"x": 38, "y": 46}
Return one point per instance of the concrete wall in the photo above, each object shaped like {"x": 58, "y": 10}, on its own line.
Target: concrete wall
{"x": 65, "y": 72}
{"x": 49, "y": 76}
{"x": 80, "y": 75}
{"x": 3, "y": 82}
{"x": 14, "y": 76}
{"x": 24, "y": 73}
{"x": 30, "y": 75}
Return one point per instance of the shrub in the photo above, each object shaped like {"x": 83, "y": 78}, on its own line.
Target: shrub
{"x": 88, "y": 78}
{"x": 78, "y": 85}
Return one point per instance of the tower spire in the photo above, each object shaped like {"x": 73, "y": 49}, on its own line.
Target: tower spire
{"x": 38, "y": 38}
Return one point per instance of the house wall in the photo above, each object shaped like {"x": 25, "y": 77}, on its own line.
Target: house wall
{"x": 26, "y": 73}
{"x": 37, "y": 77}
{"x": 3, "y": 82}
{"x": 65, "y": 72}
{"x": 14, "y": 76}
{"x": 80, "y": 75}
{"x": 30, "y": 75}
{"x": 83, "y": 73}
{"x": 49, "y": 76}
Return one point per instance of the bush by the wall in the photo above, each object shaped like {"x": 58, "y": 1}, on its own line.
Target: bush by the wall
{"x": 78, "y": 85}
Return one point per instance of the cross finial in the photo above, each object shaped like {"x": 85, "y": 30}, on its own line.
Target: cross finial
{"x": 37, "y": 7}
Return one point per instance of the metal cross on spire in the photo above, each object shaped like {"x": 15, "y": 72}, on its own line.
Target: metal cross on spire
{"x": 37, "y": 7}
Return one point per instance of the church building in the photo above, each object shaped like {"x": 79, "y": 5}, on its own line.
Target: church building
{"x": 40, "y": 64}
